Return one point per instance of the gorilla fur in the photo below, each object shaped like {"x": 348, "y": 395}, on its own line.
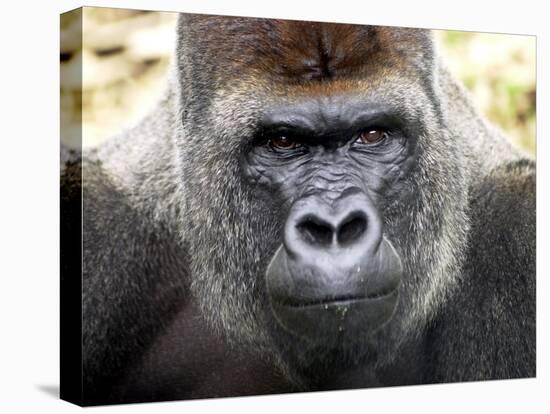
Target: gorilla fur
{"x": 176, "y": 242}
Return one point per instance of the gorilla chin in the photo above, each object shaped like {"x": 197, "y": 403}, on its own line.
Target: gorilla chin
{"x": 333, "y": 278}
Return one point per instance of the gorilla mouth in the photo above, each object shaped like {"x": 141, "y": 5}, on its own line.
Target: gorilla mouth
{"x": 339, "y": 301}
{"x": 327, "y": 322}
{"x": 321, "y": 298}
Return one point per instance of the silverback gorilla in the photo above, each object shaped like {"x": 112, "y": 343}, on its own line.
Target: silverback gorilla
{"x": 311, "y": 206}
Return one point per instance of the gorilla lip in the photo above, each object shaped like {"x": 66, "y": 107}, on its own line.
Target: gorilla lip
{"x": 321, "y": 321}
{"x": 315, "y": 304}
{"x": 338, "y": 301}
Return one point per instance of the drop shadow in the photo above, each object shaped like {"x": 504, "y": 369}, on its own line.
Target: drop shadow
{"x": 50, "y": 389}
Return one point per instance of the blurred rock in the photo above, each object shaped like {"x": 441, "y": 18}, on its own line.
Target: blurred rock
{"x": 120, "y": 59}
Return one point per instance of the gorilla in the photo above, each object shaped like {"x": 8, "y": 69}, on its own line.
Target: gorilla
{"x": 311, "y": 206}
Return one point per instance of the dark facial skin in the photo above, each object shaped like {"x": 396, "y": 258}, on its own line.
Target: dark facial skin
{"x": 331, "y": 162}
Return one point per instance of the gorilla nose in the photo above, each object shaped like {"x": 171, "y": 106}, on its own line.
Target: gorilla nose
{"x": 325, "y": 231}
{"x": 315, "y": 225}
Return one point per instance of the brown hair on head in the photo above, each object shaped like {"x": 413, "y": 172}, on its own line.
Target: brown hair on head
{"x": 297, "y": 51}
{"x": 317, "y": 51}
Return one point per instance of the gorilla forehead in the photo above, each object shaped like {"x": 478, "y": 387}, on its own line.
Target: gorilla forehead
{"x": 298, "y": 51}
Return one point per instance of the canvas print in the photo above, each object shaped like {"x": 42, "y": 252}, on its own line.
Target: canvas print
{"x": 259, "y": 206}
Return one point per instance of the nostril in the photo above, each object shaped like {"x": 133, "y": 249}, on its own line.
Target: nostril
{"x": 315, "y": 231}
{"x": 352, "y": 229}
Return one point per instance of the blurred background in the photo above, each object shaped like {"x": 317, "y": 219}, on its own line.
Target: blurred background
{"x": 125, "y": 55}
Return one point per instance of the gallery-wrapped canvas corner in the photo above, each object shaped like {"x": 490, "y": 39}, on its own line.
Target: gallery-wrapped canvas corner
{"x": 257, "y": 206}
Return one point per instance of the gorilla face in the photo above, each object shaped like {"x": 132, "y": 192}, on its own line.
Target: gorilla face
{"x": 335, "y": 270}
{"x": 322, "y": 227}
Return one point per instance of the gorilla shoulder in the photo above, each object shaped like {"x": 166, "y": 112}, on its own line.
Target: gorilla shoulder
{"x": 128, "y": 284}
{"x": 487, "y": 330}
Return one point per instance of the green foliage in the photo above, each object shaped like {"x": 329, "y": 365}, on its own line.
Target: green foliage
{"x": 500, "y": 72}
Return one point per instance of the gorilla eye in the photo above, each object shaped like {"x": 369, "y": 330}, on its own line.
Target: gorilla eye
{"x": 282, "y": 143}
{"x": 372, "y": 136}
